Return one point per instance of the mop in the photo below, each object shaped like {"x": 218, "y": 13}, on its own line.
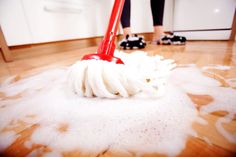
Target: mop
{"x": 104, "y": 75}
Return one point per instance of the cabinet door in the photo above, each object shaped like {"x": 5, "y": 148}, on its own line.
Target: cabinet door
{"x": 53, "y": 20}
{"x": 203, "y": 14}
{"x": 13, "y": 23}
{"x": 204, "y": 19}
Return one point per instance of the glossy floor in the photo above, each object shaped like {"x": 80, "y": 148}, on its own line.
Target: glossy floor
{"x": 30, "y": 60}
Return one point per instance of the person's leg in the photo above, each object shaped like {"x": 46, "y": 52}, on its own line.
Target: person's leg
{"x": 158, "y": 33}
{"x": 125, "y": 18}
{"x": 130, "y": 41}
{"x": 157, "y": 7}
{"x": 127, "y": 31}
{"x": 159, "y": 37}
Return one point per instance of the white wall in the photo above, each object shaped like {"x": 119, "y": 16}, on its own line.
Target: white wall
{"x": 37, "y": 21}
{"x": 14, "y": 23}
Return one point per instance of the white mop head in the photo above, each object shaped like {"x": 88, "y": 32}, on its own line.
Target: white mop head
{"x": 141, "y": 74}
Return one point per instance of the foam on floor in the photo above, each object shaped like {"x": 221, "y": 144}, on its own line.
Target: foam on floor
{"x": 224, "y": 98}
{"x": 68, "y": 122}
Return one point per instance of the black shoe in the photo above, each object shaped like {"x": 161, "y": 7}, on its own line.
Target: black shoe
{"x": 133, "y": 42}
{"x": 178, "y": 40}
{"x": 172, "y": 40}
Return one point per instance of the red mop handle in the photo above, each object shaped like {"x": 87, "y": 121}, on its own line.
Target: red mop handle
{"x": 107, "y": 46}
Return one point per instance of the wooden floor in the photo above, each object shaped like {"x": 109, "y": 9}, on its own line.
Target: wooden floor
{"x": 36, "y": 58}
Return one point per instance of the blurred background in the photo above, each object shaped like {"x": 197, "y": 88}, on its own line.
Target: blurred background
{"x": 39, "y": 21}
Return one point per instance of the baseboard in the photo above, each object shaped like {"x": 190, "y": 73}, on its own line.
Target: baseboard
{"x": 205, "y": 35}
{"x": 84, "y": 42}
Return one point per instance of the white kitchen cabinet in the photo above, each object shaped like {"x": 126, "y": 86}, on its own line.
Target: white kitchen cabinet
{"x": 53, "y": 20}
{"x": 204, "y": 19}
{"x": 39, "y": 21}
{"x": 14, "y": 23}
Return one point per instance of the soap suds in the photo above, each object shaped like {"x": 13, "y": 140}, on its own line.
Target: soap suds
{"x": 28, "y": 144}
{"x": 231, "y": 137}
{"x": 139, "y": 124}
{"x": 6, "y": 139}
{"x": 224, "y": 97}
{"x": 217, "y": 66}
{"x": 207, "y": 141}
{"x": 36, "y": 152}
{"x": 232, "y": 82}
{"x": 52, "y": 154}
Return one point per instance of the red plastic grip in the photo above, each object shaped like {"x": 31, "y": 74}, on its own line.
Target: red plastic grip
{"x": 107, "y": 46}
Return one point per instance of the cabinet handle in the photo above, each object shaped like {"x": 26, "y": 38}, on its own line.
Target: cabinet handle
{"x": 65, "y": 6}
{"x": 62, "y": 9}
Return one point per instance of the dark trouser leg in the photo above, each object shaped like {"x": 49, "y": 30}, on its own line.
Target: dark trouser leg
{"x": 125, "y": 17}
{"x": 157, "y": 7}
{"x": 125, "y": 22}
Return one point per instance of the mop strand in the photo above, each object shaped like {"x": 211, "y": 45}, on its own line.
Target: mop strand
{"x": 139, "y": 75}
